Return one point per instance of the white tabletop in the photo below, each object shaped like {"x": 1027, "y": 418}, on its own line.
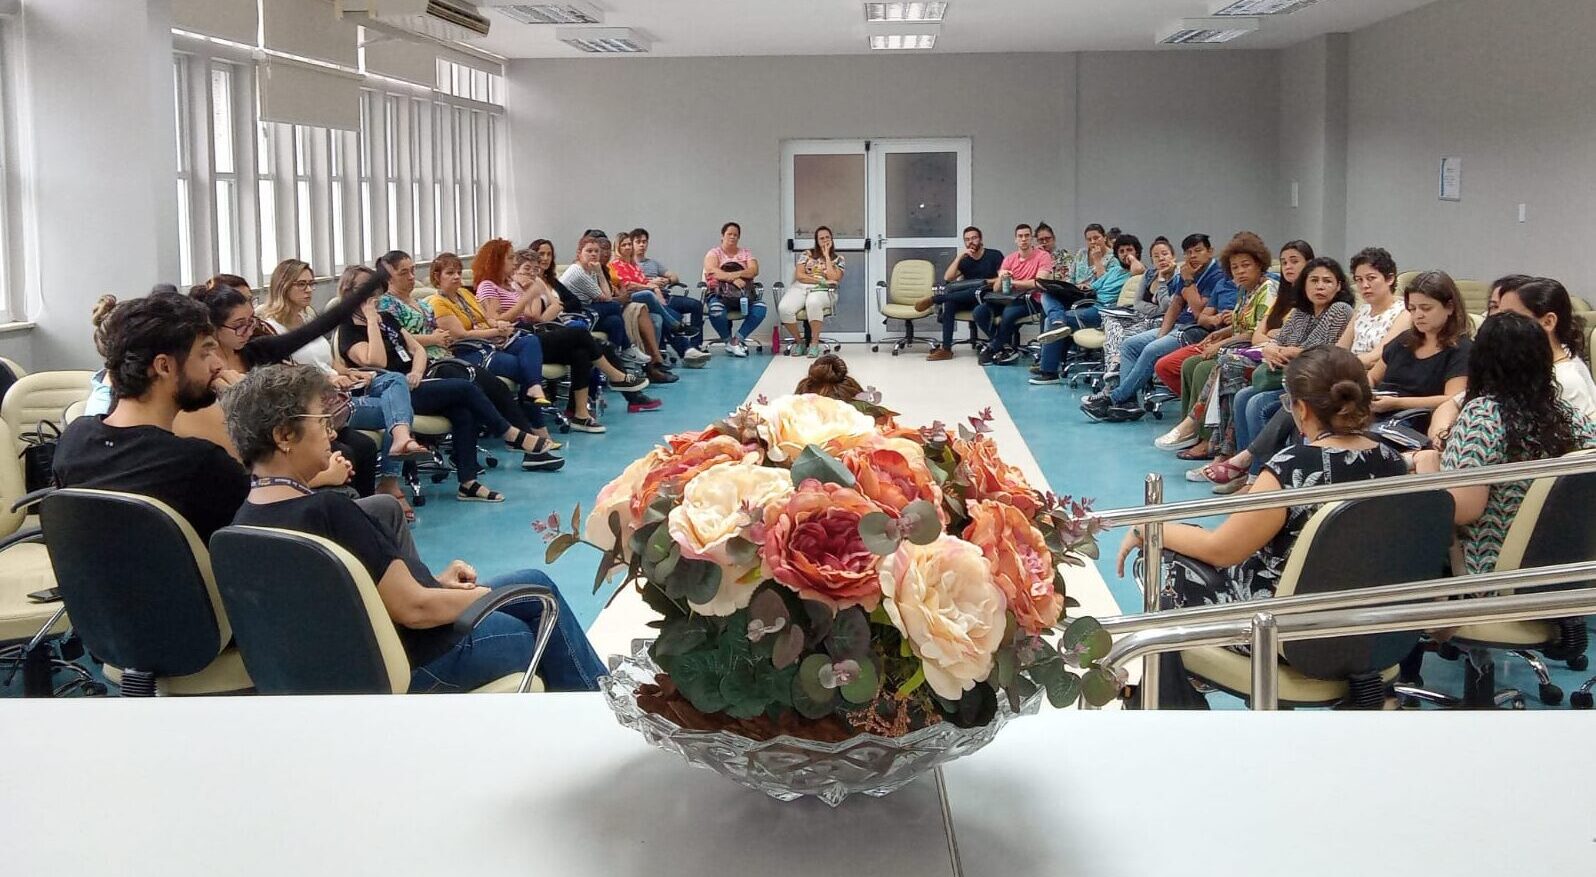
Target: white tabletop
{"x": 550, "y": 784}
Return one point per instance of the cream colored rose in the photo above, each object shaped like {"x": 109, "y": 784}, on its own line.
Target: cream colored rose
{"x": 711, "y": 515}
{"x": 942, "y": 598}
{"x": 791, "y": 423}
{"x": 617, "y": 497}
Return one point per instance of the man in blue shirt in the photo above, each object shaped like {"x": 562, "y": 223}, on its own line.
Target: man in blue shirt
{"x": 974, "y": 263}
{"x": 1200, "y": 278}
{"x": 1104, "y": 280}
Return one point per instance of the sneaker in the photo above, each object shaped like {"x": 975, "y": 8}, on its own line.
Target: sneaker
{"x": 637, "y": 403}
{"x": 1175, "y": 440}
{"x": 542, "y": 461}
{"x": 1036, "y": 369}
{"x": 1042, "y": 379}
{"x": 635, "y": 355}
{"x": 815, "y": 350}
{"x": 660, "y": 375}
{"x": 1198, "y": 475}
{"x": 1057, "y": 333}
{"x": 796, "y": 349}
{"x": 941, "y": 354}
{"x": 1096, "y": 405}
{"x": 925, "y": 304}
{"x": 1124, "y": 413}
{"x": 1006, "y": 356}
{"x": 737, "y": 349}
{"x": 587, "y": 424}
{"x": 695, "y": 354}
{"x": 632, "y": 383}
{"x": 984, "y": 357}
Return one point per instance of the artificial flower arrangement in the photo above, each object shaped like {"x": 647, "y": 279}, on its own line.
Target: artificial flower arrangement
{"x": 822, "y": 572}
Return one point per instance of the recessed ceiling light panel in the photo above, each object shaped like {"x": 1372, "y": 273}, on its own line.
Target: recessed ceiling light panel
{"x": 903, "y": 41}
{"x": 1261, "y": 7}
{"x": 604, "y": 40}
{"x": 876, "y": 13}
{"x": 1195, "y": 31}
{"x": 571, "y": 12}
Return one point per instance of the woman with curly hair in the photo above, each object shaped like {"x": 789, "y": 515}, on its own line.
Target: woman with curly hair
{"x": 1512, "y": 413}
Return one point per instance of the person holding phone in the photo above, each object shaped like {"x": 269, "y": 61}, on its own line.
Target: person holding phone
{"x": 813, "y": 290}
{"x": 971, "y": 273}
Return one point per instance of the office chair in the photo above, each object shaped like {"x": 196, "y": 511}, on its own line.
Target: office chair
{"x": 911, "y": 281}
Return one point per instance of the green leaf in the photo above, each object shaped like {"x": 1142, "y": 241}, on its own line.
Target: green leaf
{"x": 1006, "y": 667}
{"x": 1062, "y": 689}
{"x": 659, "y": 544}
{"x": 696, "y": 581}
{"x": 863, "y": 689}
{"x": 561, "y": 544}
{"x": 924, "y": 526}
{"x": 654, "y": 595}
{"x": 767, "y": 606}
{"x": 914, "y": 682}
{"x": 742, "y": 552}
{"x": 667, "y": 564}
{"x": 879, "y": 533}
{"x": 821, "y": 466}
{"x": 1088, "y": 636}
{"x": 576, "y": 519}
{"x": 810, "y": 697}
{"x": 788, "y": 646}
{"x": 680, "y": 636}
{"x": 608, "y": 562}
{"x": 1099, "y": 686}
{"x": 817, "y": 619}
{"x": 640, "y": 537}
{"x": 698, "y": 675}
{"x": 658, "y": 510}
{"x": 1086, "y": 547}
{"x": 850, "y": 635}
{"x": 744, "y": 692}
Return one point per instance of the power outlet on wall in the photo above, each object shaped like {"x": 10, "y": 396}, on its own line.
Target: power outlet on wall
{"x": 1296, "y": 195}
{"x": 1523, "y": 213}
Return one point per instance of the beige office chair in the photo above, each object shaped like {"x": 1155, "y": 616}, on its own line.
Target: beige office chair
{"x": 1089, "y": 368}
{"x": 911, "y": 281}
{"x": 324, "y": 629}
{"x": 1402, "y": 281}
{"x": 42, "y": 396}
{"x": 15, "y": 367}
{"x": 1476, "y": 295}
{"x": 136, "y": 581}
{"x": 1365, "y": 543}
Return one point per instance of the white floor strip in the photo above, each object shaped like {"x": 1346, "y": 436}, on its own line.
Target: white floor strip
{"x": 921, "y": 392}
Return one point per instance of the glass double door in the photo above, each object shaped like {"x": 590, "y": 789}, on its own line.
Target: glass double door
{"x": 885, "y": 201}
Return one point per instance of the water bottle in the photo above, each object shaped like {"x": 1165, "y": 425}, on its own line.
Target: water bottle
{"x": 1008, "y": 285}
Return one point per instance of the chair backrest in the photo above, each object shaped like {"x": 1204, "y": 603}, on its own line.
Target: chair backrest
{"x": 136, "y": 580}
{"x": 43, "y": 396}
{"x": 73, "y": 412}
{"x": 1553, "y": 526}
{"x": 912, "y": 280}
{"x": 1476, "y": 295}
{"x": 321, "y": 630}
{"x": 1402, "y": 282}
{"x": 1131, "y": 289}
{"x": 1365, "y": 543}
{"x": 15, "y": 367}
{"x": 13, "y": 483}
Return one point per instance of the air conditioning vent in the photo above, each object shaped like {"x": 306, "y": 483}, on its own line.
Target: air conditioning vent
{"x": 445, "y": 20}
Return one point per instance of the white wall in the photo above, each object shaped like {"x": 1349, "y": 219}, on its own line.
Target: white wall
{"x": 1313, "y": 143}
{"x": 1504, "y": 85}
{"x": 98, "y": 100}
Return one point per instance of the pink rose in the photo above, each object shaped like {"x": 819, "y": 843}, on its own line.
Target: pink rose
{"x": 1022, "y": 567}
{"x": 683, "y": 460}
{"x": 991, "y": 478}
{"x": 812, "y": 545}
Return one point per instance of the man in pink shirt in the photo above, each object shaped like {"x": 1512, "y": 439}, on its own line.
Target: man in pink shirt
{"x": 1021, "y": 272}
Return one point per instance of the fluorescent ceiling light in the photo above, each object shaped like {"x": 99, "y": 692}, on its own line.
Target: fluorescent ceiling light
{"x": 914, "y": 11}
{"x": 1261, "y": 7}
{"x": 1191, "y": 31}
{"x": 896, "y": 41}
{"x": 603, "y": 40}
{"x": 547, "y": 13}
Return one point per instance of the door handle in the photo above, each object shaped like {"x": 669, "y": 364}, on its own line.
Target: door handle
{"x": 881, "y": 241}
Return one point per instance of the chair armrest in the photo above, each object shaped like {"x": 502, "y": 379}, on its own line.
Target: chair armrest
{"x": 501, "y": 597}
{"x": 32, "y": 499}
{"x": 32, "y": 534}
{"x": 1122, "y": 313}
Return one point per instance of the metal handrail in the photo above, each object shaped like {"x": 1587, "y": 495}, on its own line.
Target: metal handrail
{"x": 1328, "y": 624}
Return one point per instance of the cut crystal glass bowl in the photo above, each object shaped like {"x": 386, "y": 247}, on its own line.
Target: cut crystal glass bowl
{"x": 788, "y": 768}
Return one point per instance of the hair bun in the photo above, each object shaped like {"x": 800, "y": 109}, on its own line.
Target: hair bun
{"x": 102, "y": 309}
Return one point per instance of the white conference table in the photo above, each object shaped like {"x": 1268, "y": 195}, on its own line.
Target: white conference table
{"x": 550, "y": 784}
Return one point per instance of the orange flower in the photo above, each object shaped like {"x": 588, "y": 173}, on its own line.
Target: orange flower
{"x": 812, "y": 545}
{"x": 1022, "y": 567}
{"x": 991, "y": 478}
{"x": 686, "y": 459}
{"x": 891, "y": 471}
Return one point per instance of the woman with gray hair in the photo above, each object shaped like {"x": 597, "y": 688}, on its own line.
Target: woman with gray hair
{"x": 279, "y": 420}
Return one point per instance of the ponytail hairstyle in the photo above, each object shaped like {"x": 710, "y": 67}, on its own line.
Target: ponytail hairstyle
{"x": 1542, "y": 296}
{"x": 828, "y": 376}
{"x": 1332, "y": 382}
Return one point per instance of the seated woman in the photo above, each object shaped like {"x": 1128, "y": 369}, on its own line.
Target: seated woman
{"x": 504, "y": 350}
{"x": 1155, "y": 304}
{"x": 1242, "y": 559}
{"x": 374, "y": 339}
{"x": 1428, "y": 364}
{"x": 813, "y": 291}
{"x": 278, "y": 420}
{"x": 729, "y": 272}
{"x": 493, "y": 286}
{"x": 632, "y": 285}
{"x": 634, "y": 316}
{"x": 1514, "y": 412}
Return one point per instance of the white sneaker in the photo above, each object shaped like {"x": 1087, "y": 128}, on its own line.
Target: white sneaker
{"x": 694, "y": 354}
{"x": 1175, "y": 441}
{"x": 1057, "y": 333}
{"x": 738, "y": 350}
{"x": 634, "y": 355}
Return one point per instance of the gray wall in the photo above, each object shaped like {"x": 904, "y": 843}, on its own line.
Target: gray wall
{"x": 1066, "y": 138}
{"x": 1313, "y": 142}
{"x": 1504, "y": 85}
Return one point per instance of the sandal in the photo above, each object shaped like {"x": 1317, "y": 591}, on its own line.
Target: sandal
{"x": 420, "y": 450}
{"x": 517, "y": 442}
{"x": 1223, "y": 472}
{"x": 1194, "y": 454}
{"x": 476, "y": 491}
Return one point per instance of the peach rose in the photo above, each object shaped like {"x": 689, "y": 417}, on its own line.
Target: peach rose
{"x": 812, "y": 545}
{"x": 677, "y": 467}
{"x": 711, "y": 515}
{"x": 791, "y": 423}
{"x": 941, "y": 597}
{"x": 891, "y": 471}
{"x": 617, "y": 497}
{"x": 1022, "y": 567}
{"x": 991, "y": 478}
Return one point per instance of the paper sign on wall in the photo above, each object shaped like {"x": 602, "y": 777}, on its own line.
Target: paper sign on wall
{"x": 1452, "y": 178}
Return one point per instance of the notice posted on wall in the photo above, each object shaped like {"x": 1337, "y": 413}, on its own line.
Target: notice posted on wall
{"x": 1451, "y": 178}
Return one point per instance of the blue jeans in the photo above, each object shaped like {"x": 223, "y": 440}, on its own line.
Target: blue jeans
{"x": 722, "y": 323}
{"x": 952, "y": 303}
{"x": 1136, "y": 361}
{"x": 521, "y": 361}
{"x": 655, "y": 309}
{"x": 503, "y": 643}
{"x": 607, "y": 319}
{"x": 1253, "y": 408}
{"x": 1007, "y": 332}
{"x": 1056, "y": 314}
{"x": 690, "y": 311}
{"x": 386, "y": 404}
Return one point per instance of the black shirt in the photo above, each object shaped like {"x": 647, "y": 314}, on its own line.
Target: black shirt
{"x": 984, "y": 268}
{"x": 197, "y": 478}
{"x": 336, "y": 517}
{"x": 393, "y": 343}
{"x": 1407, "y": 375}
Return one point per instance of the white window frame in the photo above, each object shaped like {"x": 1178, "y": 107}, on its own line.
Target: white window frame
{"x": 14, "y": 275}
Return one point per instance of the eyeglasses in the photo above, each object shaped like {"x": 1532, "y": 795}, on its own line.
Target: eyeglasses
{"x": 303, "y": 284}
{"x": 240, "y": 327}
{"x": 326, "y": 421}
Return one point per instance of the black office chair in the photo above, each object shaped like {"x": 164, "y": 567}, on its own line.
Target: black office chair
{"x": 136, "y": 581}
{"x": 1363, "y": 543}
{"x": 324, "y": 629}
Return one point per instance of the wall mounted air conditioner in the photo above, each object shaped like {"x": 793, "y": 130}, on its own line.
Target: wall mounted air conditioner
{"x": 442, "y": 20}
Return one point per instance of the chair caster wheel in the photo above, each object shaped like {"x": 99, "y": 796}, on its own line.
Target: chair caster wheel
{"x": 1517, "y": 703}
{"x": 895, "y": 352}
{"x": 1551, "y": 695}
{"x": 1580, "y": 700}
{"x": 419, "y": 501}
{"x": 875, "y": 348}
{"x": 1579, "y": 662}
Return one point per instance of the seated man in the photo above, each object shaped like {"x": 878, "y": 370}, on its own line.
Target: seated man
{"x": 969, "y": 275}
{"x": 1022, "y": 273}
{"x": 688, "y": 344}
{"x": 1199, "y": 270}
{"x": 1105, "y": 280}
{"x": 162, "y": 358}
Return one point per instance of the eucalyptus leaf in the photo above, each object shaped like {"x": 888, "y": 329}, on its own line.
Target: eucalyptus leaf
{"x": 1099, "y": 686}
{"x": 696, "y": 581}
{"x": 1087, "y": 639}
{"x": 879, "y": 532}
{"x": 818, "y": 618}
{"x": 609, "y": 561}
{"x": 850, "y": 635}
{"x": 789, "y": 645}
{"x": 810, "y": 696}
{"x": 1063, "y": 689}
{"x": 924, "y": 525}
{"x": 681, "y": 636}
{"x": 1087, "y": 547}
{"x": 767, "y": 606}
{"x": 821, "y": 466}
{"x": 561, "y": 544}
{"x": 744, "y": 691}
{"x": 863, "y": 689}
{"x": 667, "y": 564}
{"x": 742, "y": 552}
{"x": 698, "y": 676}
{"x": 659, "y": 544}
